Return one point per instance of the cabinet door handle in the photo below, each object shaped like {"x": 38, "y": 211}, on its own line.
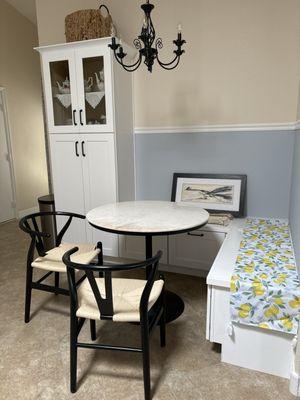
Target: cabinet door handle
{"x": 80, "y": 117}
{"x": 194, "y": 234}
{"x": 76, "y": 149}
{"x": 74, "y": 118}
{"x": 82, "y": 149}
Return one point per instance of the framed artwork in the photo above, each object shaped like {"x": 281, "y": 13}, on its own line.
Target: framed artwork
{"x": 213, "y": 192}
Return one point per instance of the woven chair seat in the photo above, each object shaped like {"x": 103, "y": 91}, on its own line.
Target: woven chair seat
{"x": 126, "y": 298}
{"x": 53, "y": 259}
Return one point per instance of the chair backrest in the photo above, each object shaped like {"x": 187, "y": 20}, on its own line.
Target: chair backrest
{"x": 31, "y": 224}
{"x": 105, "y": 304}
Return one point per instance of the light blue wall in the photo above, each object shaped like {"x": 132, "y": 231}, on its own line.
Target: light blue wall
{"x": 266, "y": 158}
{"x": 295, "y": 199}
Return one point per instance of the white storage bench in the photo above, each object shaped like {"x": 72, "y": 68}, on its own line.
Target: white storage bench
{"x": 242, "y": 345}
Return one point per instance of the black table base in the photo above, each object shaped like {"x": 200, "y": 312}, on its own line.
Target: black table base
{"x": 174, "y": 306}
{"x": 174, "y": 303}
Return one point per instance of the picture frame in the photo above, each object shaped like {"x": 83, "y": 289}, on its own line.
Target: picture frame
{"x": 217, "y": 193}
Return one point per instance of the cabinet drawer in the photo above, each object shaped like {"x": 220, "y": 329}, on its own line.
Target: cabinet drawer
{"x": 196, "y": 249}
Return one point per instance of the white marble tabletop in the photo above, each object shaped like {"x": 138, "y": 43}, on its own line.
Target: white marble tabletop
{"x": 147, "y": 217}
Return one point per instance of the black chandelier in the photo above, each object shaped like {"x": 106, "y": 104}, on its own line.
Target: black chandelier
{"x": 144, "y": 45}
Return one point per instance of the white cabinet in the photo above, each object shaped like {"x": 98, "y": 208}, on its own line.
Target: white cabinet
{"x": 133, "y": 247}
{"x": 84, "y": 177}
{"x": 100, "y": 183}
{"x": 218, "y": 313}
{"x": 59, "y": 69}
{"x": 88, "y": 100}
{"x": 78, "y": 84}
{"x": 95, "y": 94}
{"x": 68, "y": 182}
{"x": 245, "y": 346}
{"x": 195, "y": 250}
{"x": 190, "y": 253}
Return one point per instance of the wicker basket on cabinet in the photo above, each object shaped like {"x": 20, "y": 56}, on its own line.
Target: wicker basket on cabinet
{"x": 88, "y": 24}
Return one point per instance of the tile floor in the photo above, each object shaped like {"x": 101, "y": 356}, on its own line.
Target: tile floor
{"x": 34, "y": 357}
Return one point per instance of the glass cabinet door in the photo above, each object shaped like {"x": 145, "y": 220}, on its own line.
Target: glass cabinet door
{"x": 60, "y": 90}
{"x": 94, "y": 91}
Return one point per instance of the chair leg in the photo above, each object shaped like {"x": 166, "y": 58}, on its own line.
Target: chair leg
{"x": 162, "y": 328}
{"x": 93, "y": 329}
{"x": 146, "y": 359}
{"x": 28, "y": 293}
{"x": 162, "y": 322}
{"x": 56, "y": 282}
{"x": 73, "y": 354}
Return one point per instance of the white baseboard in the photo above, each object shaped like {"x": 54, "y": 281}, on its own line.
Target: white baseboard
{"x": 23, "y": 213}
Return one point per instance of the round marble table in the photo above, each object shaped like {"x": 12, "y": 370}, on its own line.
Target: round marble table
{"x": 148, "y": 219}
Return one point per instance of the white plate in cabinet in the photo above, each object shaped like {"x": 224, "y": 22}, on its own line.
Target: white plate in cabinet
{"x": 195, "y": 250}
{"x": 133, "y": 247}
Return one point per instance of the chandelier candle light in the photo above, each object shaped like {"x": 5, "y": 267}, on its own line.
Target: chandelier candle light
{"x": 144, "y": 45}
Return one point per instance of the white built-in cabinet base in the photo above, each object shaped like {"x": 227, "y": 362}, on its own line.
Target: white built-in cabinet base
{"x": 133, "y": 247}
{"x": 190, "y": 253}
{"x": 195, "y": 250}
{"x": 248, "y": 347}
{"x": 245, "y": 346}
{"x": 253, "y": 348}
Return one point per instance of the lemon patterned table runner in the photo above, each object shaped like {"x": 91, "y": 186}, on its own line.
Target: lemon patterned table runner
{"x": 265, "y": 288}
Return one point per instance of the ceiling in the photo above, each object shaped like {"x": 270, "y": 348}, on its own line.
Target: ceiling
{"x": 25, "y": 7}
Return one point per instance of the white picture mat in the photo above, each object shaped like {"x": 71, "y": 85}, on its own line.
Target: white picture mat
{"x": 209, "y": 181}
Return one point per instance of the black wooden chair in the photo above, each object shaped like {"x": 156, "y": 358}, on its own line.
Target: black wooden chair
{"x": 118, "y": 300}
{"x": 51, "y": 260}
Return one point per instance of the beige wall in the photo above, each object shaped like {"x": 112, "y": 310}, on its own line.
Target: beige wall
{"x": 241, "y": 64}
{"x": 20, "y": 76}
